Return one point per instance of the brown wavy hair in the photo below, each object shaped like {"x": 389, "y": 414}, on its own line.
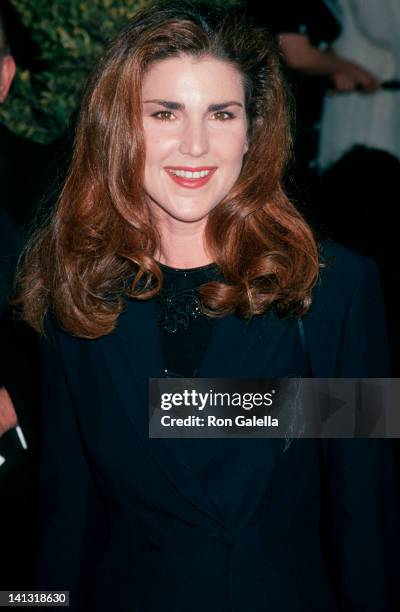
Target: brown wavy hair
{"x": 98, "y": 247}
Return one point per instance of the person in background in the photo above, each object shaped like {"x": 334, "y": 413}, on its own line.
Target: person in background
{"x": 359, "y": 149}
{"x": 25, "y": 166}
{"x": 10, "y": 246}
{"x": 306, "y": 32}
{"x": 19, "y": 373}
{"x": 370, "y": 35}
{"x": 7, "y": 66}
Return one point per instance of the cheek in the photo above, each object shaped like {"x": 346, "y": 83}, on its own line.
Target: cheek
{"x": 155, "y": 151}
{"x": 158, "y": 146}
{"x": 231, "y": 148}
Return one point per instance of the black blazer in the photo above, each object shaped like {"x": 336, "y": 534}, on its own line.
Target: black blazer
{"x": 128, "y": 525}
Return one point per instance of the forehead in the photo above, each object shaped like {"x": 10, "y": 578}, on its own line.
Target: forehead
{"x": 184, "y": 75}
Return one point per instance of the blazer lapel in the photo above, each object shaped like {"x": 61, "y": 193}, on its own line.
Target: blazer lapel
{"x": 244, "y": 348}
{"x": 238, "y": 349}
{"x": 133, "y": 355}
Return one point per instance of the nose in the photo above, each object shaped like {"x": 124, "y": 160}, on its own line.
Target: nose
{"x": 195, "y": 139}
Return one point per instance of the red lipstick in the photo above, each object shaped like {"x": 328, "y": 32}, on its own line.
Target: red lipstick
{"x": 189, "y": 177}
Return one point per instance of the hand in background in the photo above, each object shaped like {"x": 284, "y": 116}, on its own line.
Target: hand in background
{"x": 8, "y": 418}
{"x": 301, "y": 55}
{"x": 350, "y": 77}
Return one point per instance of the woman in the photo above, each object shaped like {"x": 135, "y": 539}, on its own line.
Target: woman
{"x": 181, "y": 145}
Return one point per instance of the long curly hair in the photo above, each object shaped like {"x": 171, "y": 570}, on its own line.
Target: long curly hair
{"x": 98, "y": 247}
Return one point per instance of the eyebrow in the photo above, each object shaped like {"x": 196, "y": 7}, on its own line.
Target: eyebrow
{"x": 178, "y": 106}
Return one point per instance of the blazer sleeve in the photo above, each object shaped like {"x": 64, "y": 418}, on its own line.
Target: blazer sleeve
{"x": 360, "y": 518}
{"x": 361, "y": 524}
{"x": 72, "y": 528}
{"x": 364, "y": 350}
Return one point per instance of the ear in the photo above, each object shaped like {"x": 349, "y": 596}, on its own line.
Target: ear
{"x": 7, "y": 72}
{"x": 245, "y": 147}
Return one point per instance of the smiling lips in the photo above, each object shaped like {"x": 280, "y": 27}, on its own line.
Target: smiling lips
{"x": 190, "y": 177}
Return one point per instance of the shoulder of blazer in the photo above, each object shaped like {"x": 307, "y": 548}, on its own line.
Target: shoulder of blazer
{"x": 58, "y": 340}
{"x": 340, "y": 275}
{"x": 346, "y": 315}
{"x": 339, "y": 278}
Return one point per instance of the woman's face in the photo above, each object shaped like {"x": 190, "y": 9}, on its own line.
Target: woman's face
{"x": 195, "y": 134}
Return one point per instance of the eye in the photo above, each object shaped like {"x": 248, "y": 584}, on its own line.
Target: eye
{"x": 164, "y": 115}
{"x": 223, "y": 115}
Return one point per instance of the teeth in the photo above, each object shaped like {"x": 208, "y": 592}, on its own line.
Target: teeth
{"x": 190, "y": 175}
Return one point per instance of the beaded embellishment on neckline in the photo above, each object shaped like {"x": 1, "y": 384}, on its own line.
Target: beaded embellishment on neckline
{"x": 178, "y": 301}
{"x": 178, "y": 307}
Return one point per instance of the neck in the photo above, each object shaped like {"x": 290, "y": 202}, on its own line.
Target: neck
{"x": 182, "y": 244}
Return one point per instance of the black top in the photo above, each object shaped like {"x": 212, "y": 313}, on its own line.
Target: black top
{"x": 184, "y": 336}
{"x": 184, "y": 330}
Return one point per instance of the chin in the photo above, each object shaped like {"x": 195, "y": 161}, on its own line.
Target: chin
{"x": 183, "y": 210}
{"x": 188, "y": 216}
{"x": 180, "y": 209}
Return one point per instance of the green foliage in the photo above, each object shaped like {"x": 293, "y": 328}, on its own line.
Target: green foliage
{"x": 70, "y": 35}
